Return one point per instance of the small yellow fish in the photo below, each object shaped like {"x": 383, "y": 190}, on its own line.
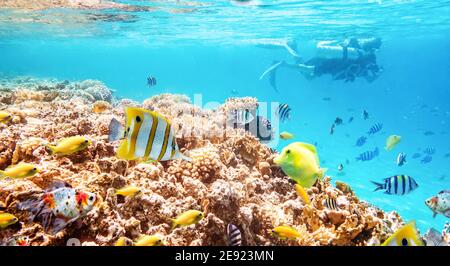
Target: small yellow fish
{"x": 405, "y": 236}
{"x": 300, "y": 162}
{"x": 123, "y": 242}
{"x": 5, "y": 117}
{"x": 7, "y": 219}
{"x": 285, "y": 232}
{"x": 286, "y": 135}
{"x": 149, "y": 241}
{"x": 301, "y": 192}
{"x": 69, "y": 146}
{"x": 128, "y": 191}
{"x": 392, "y": 141}
{"x": 100, "y": 107}
{"x": 20, "y": 170}
{"x": 187, "y": 218}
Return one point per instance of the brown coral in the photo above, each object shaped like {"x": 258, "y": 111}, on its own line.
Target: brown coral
{"x": 231, "y": 178}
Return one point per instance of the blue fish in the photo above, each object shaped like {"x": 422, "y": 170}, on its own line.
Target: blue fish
{"x": 427, "y": 159}
{"x": 401, "y": 159}
{"x": 430, "y": 151}
{"x": 397, "y": 185}
{"x": 375, "y": 128}
{"x": 350, "y": 119}
{"x": 416, "y": 155}
{"x": 361, "y": 141}
{"x": 151, "y": 81}
{"x": 428, "y": 133}
{"x": 368, "y": 155}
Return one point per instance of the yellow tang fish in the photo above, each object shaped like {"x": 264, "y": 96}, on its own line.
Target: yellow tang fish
{"x": 123, "y": 242}
{"x": 20, "y": 170}
{"x": 149, "y": 241}
{"x": 128, "y": 191}
{"x": 405, "y": 236}
{"x": 392, "y": 141}
{"x": 69, "y": 146}
{"x": 7, "y": 219}
{"x": 285, "y": 232}
{"x": 5, "y": 117}
{"x": 300, "y": 162}
{"x": 147, "y": 135}
{"x": 301, "y": 192}
{"x": 187, "y": 218}
{"x": 286, "y": 135}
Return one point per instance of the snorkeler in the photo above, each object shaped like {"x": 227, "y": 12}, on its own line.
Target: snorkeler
{"x": 346, "y": 61}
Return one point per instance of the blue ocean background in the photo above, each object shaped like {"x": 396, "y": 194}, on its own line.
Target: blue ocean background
{"x": 216, "y": 49}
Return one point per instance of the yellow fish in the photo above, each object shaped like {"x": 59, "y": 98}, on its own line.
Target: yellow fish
{"x": 149, "y": 241}
{"x": 286, "y": 135}
{"x": 405, "y": 236}
{"x": 187, "y": 218}
{"x": 20, "y": 170}
{"x": 5, "y": 117}
{"x": 285, "y": 232}
{"x": 7, "y": 219}
{"x": 301, "y": 192}
{"x": 123, "y": 242}
{"x": 392, "y": 141}
{"x": 128, "y": 191}
{"x": 69, "y": 146}
{"x": 100, "y": 107}
{"x": 300, "y": 162}
{"x": 148, "y": 135}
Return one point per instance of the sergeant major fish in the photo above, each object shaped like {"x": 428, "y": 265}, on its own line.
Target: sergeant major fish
{"x": 375, "y": 128}
{"x": 397, "y": 185}
{"x": 368, "y": 155}
{"x": 234, "y": 235}
{"x": 427, "y": 159}
{"x": 361, "y": 141}
{"x": 148, "y": 135}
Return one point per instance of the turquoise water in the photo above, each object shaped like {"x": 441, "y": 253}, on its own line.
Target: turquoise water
{"x": 218, "y": 50}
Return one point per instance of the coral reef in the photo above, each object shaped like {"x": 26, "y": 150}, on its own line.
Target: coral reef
{"x": 232, "y": 177}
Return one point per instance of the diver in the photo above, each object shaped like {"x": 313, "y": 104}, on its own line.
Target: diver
{"x": 351, "y": 59}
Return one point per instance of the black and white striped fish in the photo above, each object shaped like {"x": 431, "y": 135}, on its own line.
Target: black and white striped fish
{"x": 375, "y": 128}
{"x": 397, "y": 185}
{"x": 151, "y": 81}
{"x": 429, "y": 151}
{"x": 330, "y": 203}
{"x": 147, "y": 135}
{"x": 284, "y": 112}
{"x": 368, "y": 155}
{"x": 241, "y": 117}
{"x": 234, "y": 235}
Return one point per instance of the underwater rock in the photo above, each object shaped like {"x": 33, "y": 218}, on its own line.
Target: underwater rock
{"x": 231, "y": 177}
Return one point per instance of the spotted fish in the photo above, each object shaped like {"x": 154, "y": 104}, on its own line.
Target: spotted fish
{"x": 58, "y": 208}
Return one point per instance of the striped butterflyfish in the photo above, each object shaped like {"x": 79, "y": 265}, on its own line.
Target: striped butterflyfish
{"x": 147, "y": 135}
